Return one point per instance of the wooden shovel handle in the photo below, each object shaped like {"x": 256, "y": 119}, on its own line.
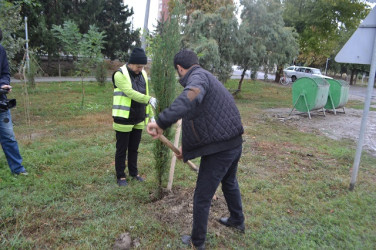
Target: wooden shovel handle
{"x": 169, "y": 144}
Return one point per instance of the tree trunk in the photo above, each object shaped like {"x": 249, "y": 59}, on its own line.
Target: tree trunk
{"x": 351, "y": 77}
{"x": 83, "y": 91}
{"x": 278, "y": 74}
{"x": 354, "y": 74}
{"x": 240, "y": 82}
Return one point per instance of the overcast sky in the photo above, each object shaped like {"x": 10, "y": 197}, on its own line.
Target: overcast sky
{"x": 139, "y": 7}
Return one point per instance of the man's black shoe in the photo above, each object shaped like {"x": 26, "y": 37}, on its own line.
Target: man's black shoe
{"x": 186, "y": 239}
{"x": 227, "y": 222}
{"x": 122, "y": 182}
{"x": 138, "y": 178}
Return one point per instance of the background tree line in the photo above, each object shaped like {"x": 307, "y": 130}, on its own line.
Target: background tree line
{"x": 269, "y": 33}
{"x": 110, "y": 16}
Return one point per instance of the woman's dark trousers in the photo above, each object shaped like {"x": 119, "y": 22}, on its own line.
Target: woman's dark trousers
{"x": 127, "y": 141}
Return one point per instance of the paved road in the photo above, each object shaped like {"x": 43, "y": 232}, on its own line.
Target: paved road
{"x": 260, "y": 75}
{"x": 361, "y": 92}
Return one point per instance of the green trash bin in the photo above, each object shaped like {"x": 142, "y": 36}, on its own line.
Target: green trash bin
{"x": 338, "y": 94}
{"x": 309, "y": 94}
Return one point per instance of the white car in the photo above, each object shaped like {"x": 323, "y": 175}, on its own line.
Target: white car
{"x": 296, "y": 72}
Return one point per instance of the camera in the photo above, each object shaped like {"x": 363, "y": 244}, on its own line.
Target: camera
{"x": 6, "y": 104}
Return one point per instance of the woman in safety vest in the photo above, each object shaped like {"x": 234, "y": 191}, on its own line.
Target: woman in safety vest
{"x": 130, "y": 111}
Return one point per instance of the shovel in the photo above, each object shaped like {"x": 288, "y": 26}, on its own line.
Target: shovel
{"x": 169, "y": 144}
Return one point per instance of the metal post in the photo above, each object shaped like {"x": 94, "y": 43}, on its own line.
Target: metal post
{"x": 326, "y": 66}
{"x": 367, "y": 104}
{"x": 146, "y": 20}
{"x": 27, "y": 46}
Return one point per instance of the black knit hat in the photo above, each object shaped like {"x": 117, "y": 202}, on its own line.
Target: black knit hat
{"x": 185, "y": 58}
{"x": 138, "y": 56}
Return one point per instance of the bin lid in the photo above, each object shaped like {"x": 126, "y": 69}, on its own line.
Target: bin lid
{"x": 340, "y": 83}
{"x": 343, "y": 83}
{"x": 320, "y": 81}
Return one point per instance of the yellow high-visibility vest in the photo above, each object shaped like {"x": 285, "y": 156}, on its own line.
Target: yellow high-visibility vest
{"x": 122, "y": 104}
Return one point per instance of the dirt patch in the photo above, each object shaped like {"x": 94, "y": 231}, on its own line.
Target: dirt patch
{"x": 176, "y": 209}
{"x": 340, "y": 126}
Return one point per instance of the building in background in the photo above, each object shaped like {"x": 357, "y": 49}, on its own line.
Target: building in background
{"x": 163, "y": 10}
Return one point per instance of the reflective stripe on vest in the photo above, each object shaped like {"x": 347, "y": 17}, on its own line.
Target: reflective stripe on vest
{"x": 121, "y": 93}
{"x": 121, "y": 102}
{"x": 120, "y": 107}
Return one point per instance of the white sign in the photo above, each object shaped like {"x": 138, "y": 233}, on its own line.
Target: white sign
{"x": 359, "y": 47}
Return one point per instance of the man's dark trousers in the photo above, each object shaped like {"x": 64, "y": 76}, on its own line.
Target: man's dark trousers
{"x": 214, "y": 169}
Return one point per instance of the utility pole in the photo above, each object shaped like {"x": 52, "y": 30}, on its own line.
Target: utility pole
{"x": 146, "y": 21}
{"x": 361, "y": 49}
{"x": 27, "y": 46}
{"x": 367, "y": 105}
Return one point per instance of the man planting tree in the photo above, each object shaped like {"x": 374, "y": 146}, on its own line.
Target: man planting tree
{"x": 212, "y": 130}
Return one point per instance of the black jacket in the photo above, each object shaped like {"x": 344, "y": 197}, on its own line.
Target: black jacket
{"x": 137, "y": 111}
{"x": 211, "y": 120}
{"x": 4, "y": 71}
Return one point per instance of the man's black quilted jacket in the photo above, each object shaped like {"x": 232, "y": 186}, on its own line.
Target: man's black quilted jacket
{"x": 211, "y": 120}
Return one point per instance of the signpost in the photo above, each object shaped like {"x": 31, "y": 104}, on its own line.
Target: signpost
{"x": 146, "y": 21}
{"x": 361, "y": 49}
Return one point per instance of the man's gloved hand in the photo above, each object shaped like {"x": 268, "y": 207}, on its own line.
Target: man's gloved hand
{"x": 153, "y": 102}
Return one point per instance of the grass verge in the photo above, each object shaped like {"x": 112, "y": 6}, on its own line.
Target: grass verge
{"x": 294, "y": 185}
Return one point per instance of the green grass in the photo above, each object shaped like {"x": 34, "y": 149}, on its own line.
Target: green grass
{"x": 294, "y": 185}
{"x": 355, "y": 104}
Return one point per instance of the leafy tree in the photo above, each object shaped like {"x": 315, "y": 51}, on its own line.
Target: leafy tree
{"x": 111, "y": 16}
{"x": 85, "y": 48}
{"x": 263, "y": 38}
{"x": 212, "y": 37}
{"x": 69, "y": 38}
{"x": 206, "y": 6}
{"x": 341, "y": 68}
{"x": 164, "y": 47}
{"x": 42, "y": 15}
{"x": 90, "y": 55}
{"x": 101, "y": 72}
{"x": 319, "y": 25}
{"x": 10, "y": 24}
